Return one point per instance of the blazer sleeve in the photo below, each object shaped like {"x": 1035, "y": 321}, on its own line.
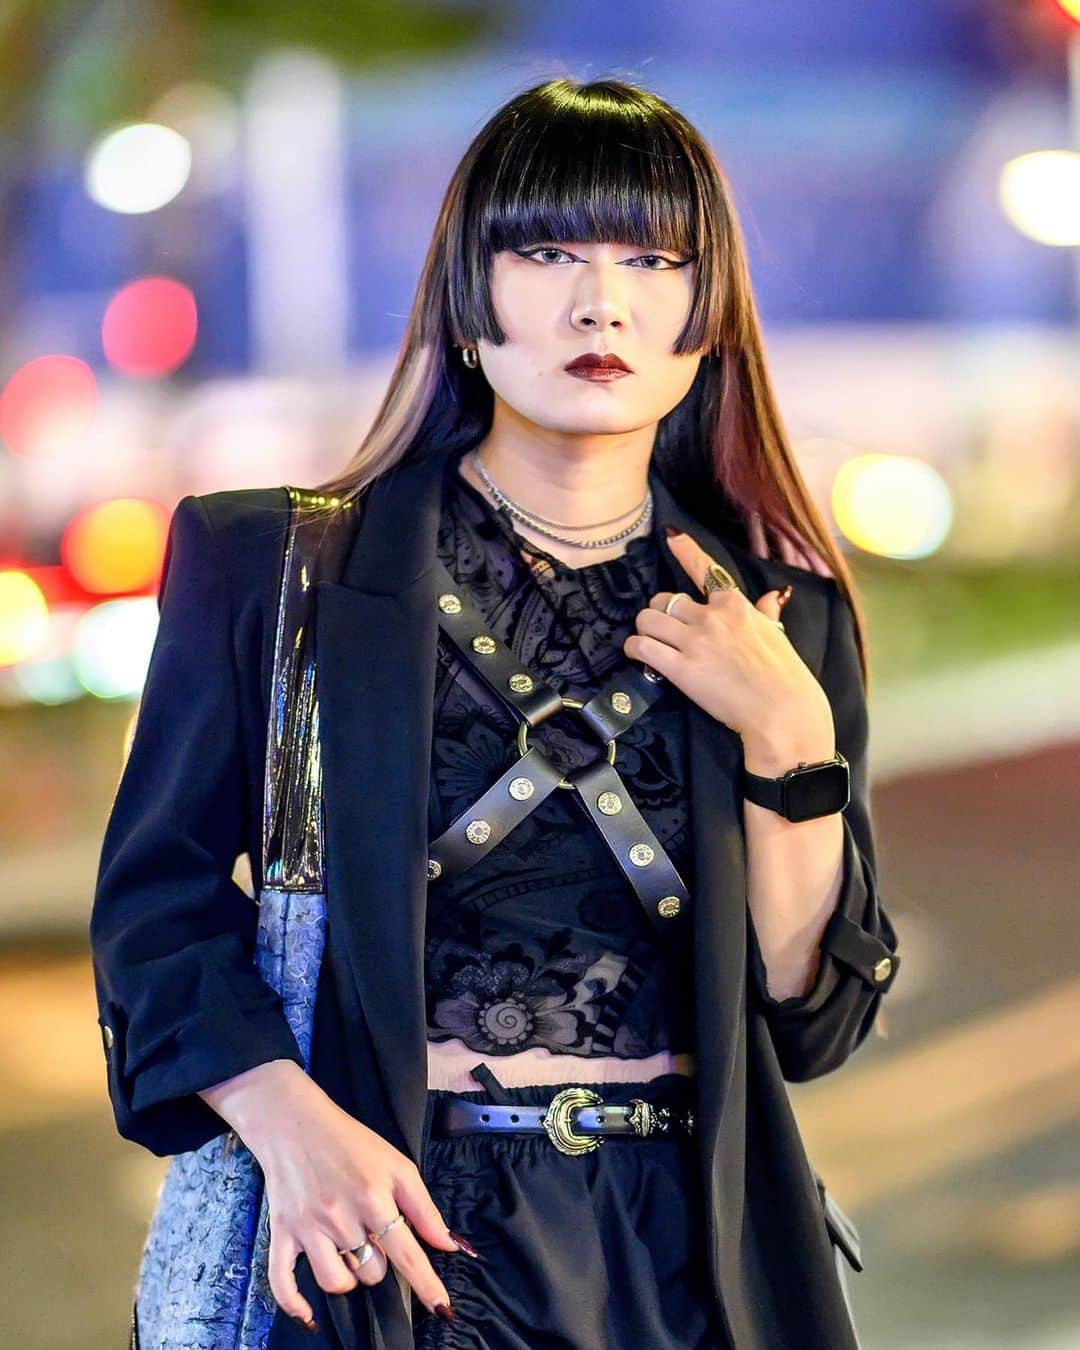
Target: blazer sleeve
{"x": 816, "y": 1032}
{"x": 181, "y": 1004}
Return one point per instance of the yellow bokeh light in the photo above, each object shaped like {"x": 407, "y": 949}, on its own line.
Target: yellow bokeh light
{"x": 892, "y": 505}
{"x": 24, "y": 617}
{"x": 116, "y": 546}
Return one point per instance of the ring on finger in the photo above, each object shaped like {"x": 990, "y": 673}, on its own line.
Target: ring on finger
{"x": 677, "y": 595}
{"x": 780, "y": 625}
{"x": 363, "y": 1253}
{"x": 378, "y": 1233}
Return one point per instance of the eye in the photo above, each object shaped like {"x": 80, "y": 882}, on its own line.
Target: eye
{"x": 544, "y": 248}
{"x": 669, "y": 263}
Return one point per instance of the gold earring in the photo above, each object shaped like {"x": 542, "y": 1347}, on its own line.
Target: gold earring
{"x": 471, "y": 357}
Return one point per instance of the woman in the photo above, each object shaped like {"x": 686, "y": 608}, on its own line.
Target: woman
{"x": 677, "y": 939}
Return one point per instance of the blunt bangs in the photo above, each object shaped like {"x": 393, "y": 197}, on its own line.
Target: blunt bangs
{"x": 596, "y": 164}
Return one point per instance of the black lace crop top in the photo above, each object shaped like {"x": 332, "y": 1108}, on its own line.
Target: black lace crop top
{"x": 543, "y": 942}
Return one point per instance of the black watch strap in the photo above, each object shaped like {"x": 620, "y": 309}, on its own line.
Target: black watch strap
{"x": 773, "y": 793}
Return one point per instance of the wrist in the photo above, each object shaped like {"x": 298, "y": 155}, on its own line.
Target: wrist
{"x": 775, "y": 749}
{"x": 250, "y": 1100}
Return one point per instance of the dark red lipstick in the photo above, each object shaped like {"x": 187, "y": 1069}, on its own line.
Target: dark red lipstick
{"x": 599, "y": 367}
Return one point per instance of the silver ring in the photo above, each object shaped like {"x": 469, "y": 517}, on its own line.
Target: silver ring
{"x": 676, "y": 596}
{"x": 363, "y": 1253}
{"x": 375, "y": 1236}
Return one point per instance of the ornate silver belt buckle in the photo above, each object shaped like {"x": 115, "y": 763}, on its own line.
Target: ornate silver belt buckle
{"x": 646, "y": 1119}
{"x": 558, "y": 1125}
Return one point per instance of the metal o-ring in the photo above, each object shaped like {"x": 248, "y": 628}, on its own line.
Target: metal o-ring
{"x": 523, "y": 738}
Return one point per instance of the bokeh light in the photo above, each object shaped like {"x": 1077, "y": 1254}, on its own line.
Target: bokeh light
{"x": 116, "y": 545}
{"x": 137, "y": 168}
{"x": 892, "y": 505}
{"x": 24, "y": 617}
{"x": 48, "y": 405}
{"x": 1040, "y": 194}
{"x": 149, "y": 327}
{"x": 112, "y": 646}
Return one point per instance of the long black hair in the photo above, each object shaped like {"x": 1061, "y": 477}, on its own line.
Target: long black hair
{"x": 609, "y": 162}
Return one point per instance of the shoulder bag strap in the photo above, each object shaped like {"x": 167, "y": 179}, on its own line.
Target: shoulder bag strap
{"x": 315, "y": 545}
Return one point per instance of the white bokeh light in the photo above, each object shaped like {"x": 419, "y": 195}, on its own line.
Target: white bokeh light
{"x": 138, "y": 168}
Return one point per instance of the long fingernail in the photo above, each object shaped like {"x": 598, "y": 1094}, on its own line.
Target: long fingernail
{"x": 309, "y": 1324}
{"x": 784, "y": 596}
{"x": 445, "y": 1310}
{"x": 465, "y": 1246}
{"x": 669, "y": 530}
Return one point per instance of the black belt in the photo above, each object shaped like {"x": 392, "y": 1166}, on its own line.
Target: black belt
{"x": 531, "y": 779}
{"x": 576, "y": 1119}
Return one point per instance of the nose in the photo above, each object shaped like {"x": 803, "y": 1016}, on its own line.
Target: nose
{"x": 600, "y": 300}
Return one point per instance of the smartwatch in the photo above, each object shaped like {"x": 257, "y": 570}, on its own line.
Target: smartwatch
{"x": 803, "y": 793}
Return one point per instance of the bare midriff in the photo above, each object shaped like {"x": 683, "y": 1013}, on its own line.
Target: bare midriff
{"x": 450, "y": 1064}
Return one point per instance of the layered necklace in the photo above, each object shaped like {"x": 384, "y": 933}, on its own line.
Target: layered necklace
{"x": 543, "y": 526}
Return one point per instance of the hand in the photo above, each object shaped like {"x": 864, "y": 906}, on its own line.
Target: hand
{"x": 729, "y": 656}
{"x": 329, "y": 1179}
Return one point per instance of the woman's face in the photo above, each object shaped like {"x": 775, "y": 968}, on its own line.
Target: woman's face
{"x": 556, "y": 302}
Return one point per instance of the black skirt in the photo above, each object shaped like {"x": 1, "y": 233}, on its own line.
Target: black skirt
{"x": 597, "y": 1251}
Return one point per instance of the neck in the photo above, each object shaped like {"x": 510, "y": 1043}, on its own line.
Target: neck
{"x": 579, "y": 482}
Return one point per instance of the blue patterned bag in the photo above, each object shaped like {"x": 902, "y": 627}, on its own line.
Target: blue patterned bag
{"x": 202, "y": 1281}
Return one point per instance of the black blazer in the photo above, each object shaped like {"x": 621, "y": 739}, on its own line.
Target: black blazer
{"x": 182, "y": 1007}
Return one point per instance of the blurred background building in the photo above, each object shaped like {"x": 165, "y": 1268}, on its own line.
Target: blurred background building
{"x": 212, "y": 218}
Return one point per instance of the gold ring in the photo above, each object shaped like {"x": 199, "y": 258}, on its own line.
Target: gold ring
{"x": 677, "y": 595}
{"x": 718, "y": 578}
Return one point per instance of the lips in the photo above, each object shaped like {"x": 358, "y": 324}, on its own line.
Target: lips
{"x": 595, "y": 361}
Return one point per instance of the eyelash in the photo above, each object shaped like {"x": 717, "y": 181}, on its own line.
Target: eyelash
{"x": 673, "y": 265}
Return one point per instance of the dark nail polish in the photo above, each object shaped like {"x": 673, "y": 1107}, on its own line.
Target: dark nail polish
{"x": 669, "y": 530}
{"x": 445, "y": 1310}
{"x": 465, "y": 1246}
{"x": 785, "y": 595}
{"x": 309, "y": 1325}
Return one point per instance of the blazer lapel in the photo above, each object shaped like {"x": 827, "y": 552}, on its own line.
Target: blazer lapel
{"x": 376, "y": 633}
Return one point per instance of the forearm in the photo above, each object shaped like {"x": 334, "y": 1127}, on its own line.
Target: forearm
{"x": 794, "y": 869}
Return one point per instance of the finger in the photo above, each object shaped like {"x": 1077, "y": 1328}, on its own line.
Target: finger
{"x": 346, "y": 1231}
{"x": 328, "y": 1266}
{"x": 409, "y": 1257}
{"x": 284, "y": 1249}
{"x": 769, "y": 604}
{"x": 669, "y": 628}
{"x": 414, "y": 1199}
{"x": 686, "y": 609}
{"x": 696, "y": 563}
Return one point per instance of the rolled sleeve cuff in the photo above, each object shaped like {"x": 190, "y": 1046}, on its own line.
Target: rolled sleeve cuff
{"x": 849, "y": 942}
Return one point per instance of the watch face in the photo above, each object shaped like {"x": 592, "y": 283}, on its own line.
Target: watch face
{"x": 816, "y": 792}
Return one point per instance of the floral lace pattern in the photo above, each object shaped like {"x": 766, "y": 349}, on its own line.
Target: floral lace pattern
{"x": 543, "y": 941}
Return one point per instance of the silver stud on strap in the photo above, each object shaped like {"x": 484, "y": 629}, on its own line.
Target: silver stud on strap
{"x": 641, "y": 855}
{"x": 477, "y": 831}
{"x": 520, "y": 683}
{"x": 622, "y": 702}
{"x": 521, "y": 788}
{"x": 449, "y": 603}
{"x": 434, "y": 869}
{"x": 669, "y": 906}
{"x": 610, "y": 803}
{"x": 484, "y": 644}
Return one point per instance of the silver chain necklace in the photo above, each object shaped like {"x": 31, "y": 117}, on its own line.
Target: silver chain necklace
{"x": 533, "y": 520}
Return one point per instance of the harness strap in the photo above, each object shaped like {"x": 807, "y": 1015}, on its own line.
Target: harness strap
{"x": 625, "y": 696}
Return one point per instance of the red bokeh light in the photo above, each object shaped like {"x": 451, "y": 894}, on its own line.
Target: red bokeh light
{"x": 47, "y": 405}
{"x": 149, "y": 327}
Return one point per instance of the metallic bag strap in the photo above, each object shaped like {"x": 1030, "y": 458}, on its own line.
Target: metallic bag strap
{"x": 293, "y": 836}
{"x": 625, "y": 696}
